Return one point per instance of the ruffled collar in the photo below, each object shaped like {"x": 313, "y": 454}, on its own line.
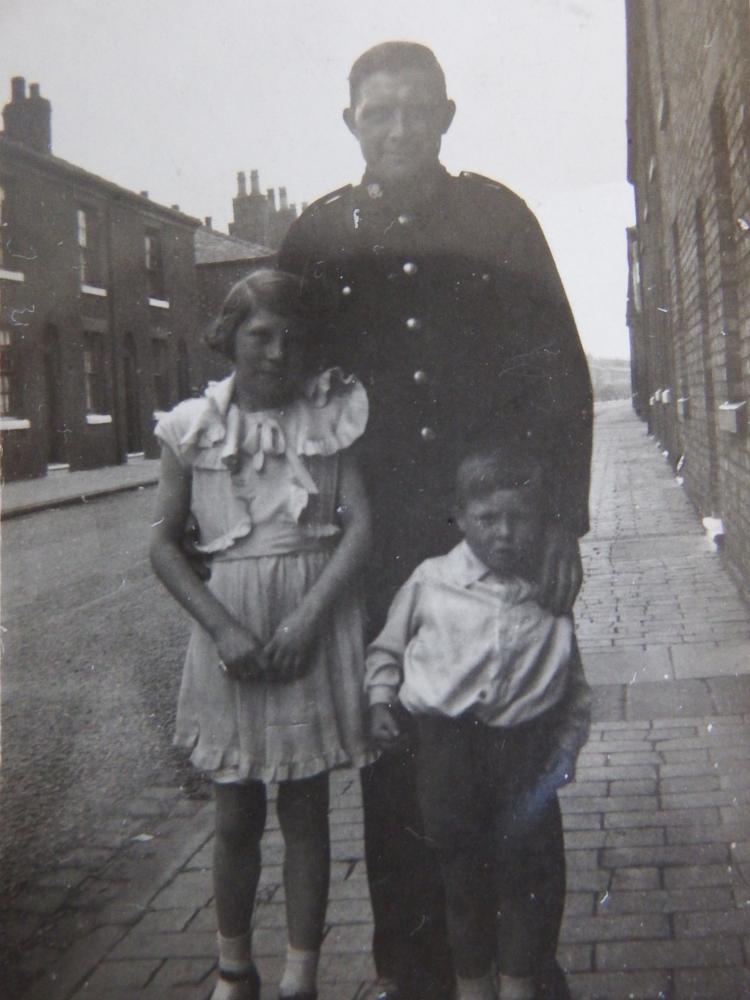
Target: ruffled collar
{"x": 330, "y": 415}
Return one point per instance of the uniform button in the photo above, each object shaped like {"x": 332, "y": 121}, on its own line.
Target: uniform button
{"x": 346, "y": 290}
{"x": 428, "y": 434}
{"x": 404, "y": 220}
{"x": 420, "y": 377}
{"x": 413, "y": 323}
{"x": 482, "y": 695}
{"x": 410, "y": 267}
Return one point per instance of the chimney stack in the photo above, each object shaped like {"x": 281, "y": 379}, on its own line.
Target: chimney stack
{"x": 254, "y": 182}
{"x": 282, "y": 200}
{"x": 28, "y": 120}
{"x": 241, "y": 184}
{"x": 271, "y": 196}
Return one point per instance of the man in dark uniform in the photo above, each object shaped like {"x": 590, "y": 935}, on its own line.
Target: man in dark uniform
{"x": 448, "y": 306}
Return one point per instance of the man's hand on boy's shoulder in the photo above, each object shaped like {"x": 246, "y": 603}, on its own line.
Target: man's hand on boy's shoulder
{"x": 561, "y": 571}
{"x": 385, "y": 731}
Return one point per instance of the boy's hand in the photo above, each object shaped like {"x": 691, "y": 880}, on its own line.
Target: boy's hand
{"x": 561, "y": 573}
{"x": 560, "y": 770}
{"x": 384, "y": 730}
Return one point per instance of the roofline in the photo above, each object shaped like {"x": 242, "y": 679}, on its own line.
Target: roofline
{"x": 54, "y": 165}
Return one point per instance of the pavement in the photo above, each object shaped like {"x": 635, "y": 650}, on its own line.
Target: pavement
{"x": 657, "y": 822}
{"x": 60, "y": 487}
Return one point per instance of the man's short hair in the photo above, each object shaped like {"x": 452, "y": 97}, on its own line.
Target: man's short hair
{"x": 391, "y": 57}
{"x": 506, "y": 464}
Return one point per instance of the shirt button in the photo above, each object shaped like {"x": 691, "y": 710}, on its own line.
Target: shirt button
{"x": 420, "y": 377}
{"x": 413, "y": 323}
{"x": 428, "y": 434}
{"x": 410, "y": 267}
{"x": 404, "y": 219}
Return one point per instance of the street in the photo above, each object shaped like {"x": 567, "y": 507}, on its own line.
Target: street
{"x": 92, "y": 655}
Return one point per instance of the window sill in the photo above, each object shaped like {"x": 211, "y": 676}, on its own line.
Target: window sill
{"x": 158, "y": 303}
{"x": 98, "y": 418}
{"x": 14, "y": 424}
{"x": 94, "y": 290}
{"x": 732, "y": 417}
{"x": 11, "y": 275}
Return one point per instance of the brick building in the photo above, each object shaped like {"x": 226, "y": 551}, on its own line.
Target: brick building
{"x": 220, "y": 261}
{"x": 257, "y": 217}
{"x": 689, "y": 252}
{"x": 98, "y": 305}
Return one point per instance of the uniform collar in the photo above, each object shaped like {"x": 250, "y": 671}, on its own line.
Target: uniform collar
{"x": 375, "y": 194}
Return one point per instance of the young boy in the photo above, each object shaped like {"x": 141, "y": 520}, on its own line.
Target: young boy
{"x": 494, "y": 687}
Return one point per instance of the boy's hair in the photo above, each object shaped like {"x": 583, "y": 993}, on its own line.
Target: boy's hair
{"x": 392, "y": 57}
{"x": 266, "y": 288}
{"x": 491, "y": 465}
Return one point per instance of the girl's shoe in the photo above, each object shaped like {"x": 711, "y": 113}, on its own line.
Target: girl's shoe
{"x": 238, "y": 985}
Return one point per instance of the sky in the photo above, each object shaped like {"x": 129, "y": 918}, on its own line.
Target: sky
{"x": 175, "y": 96}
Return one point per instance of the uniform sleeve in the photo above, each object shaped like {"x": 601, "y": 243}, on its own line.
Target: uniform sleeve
{"x": 576, "y": 720}
{"x": 296, "y": 248}
{"x": 565, "y": 399}
{"x": 384, "y": 665}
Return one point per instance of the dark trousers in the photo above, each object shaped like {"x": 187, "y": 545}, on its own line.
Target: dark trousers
{"x": 410, "y": 942}
{"x": 497, "y": 832}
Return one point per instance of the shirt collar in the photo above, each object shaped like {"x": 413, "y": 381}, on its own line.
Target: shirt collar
{"x": 468, "y": 569}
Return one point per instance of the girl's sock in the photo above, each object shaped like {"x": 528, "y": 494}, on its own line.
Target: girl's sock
{"x": 300, "y": 972}
{"x": 236, "y": 959}
{"x": 516, "y": 988}
{"x": 476, "y": 989}
{"x": 236, "y": 953}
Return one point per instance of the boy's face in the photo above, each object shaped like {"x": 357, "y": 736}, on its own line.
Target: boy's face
{"x": 502, "y": 529}
{"x": 399, "y": 119}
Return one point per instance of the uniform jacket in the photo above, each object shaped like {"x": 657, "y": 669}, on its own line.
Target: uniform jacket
{"x": 452, "y": 313}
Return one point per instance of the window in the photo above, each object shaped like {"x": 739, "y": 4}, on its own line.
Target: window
{"x": 10, "y": 403}
{"x": 154, "y": 265}
{"x": 89, "y": 248}
{"x": 93, "y": 373}
{"x": 159, "y": 361}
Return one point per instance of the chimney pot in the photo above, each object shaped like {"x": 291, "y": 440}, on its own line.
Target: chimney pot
{"x": 282, "y": 199}
{"x": 254, "y": 182}
{"x": 28, "y": 120}
{"x": 208, "y": 222}
{"x": 241, "y": 183}
{"x": 143, "y": 194}
{"x": 271, "y": 195}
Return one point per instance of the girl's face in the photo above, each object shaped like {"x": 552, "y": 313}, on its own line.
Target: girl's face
{"x": 269, "y": 357}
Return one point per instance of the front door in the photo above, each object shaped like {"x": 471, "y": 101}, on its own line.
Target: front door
{"x": 55, "y": 423}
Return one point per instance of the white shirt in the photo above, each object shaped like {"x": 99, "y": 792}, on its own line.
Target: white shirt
{"x": 460, "y": 639}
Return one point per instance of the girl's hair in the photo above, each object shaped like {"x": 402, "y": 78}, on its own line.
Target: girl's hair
{"x": 266, "y": 288}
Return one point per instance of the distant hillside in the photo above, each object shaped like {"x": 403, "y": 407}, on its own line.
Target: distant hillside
{"x": 611, "y": 377}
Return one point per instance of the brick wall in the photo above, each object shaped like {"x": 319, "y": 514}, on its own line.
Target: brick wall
{"x": 689, "y": 163}
{"x": 48, "y": 309}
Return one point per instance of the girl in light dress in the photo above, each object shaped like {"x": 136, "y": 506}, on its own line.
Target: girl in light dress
{"x": 272, "y": 684}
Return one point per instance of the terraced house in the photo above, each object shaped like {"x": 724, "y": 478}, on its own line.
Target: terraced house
{"x": 98, "y": 321}
{"x": 689, "y": 289}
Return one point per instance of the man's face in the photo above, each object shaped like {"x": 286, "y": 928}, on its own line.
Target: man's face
{"x": 502, "y": 529}
{"x": 399, "y": 120}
